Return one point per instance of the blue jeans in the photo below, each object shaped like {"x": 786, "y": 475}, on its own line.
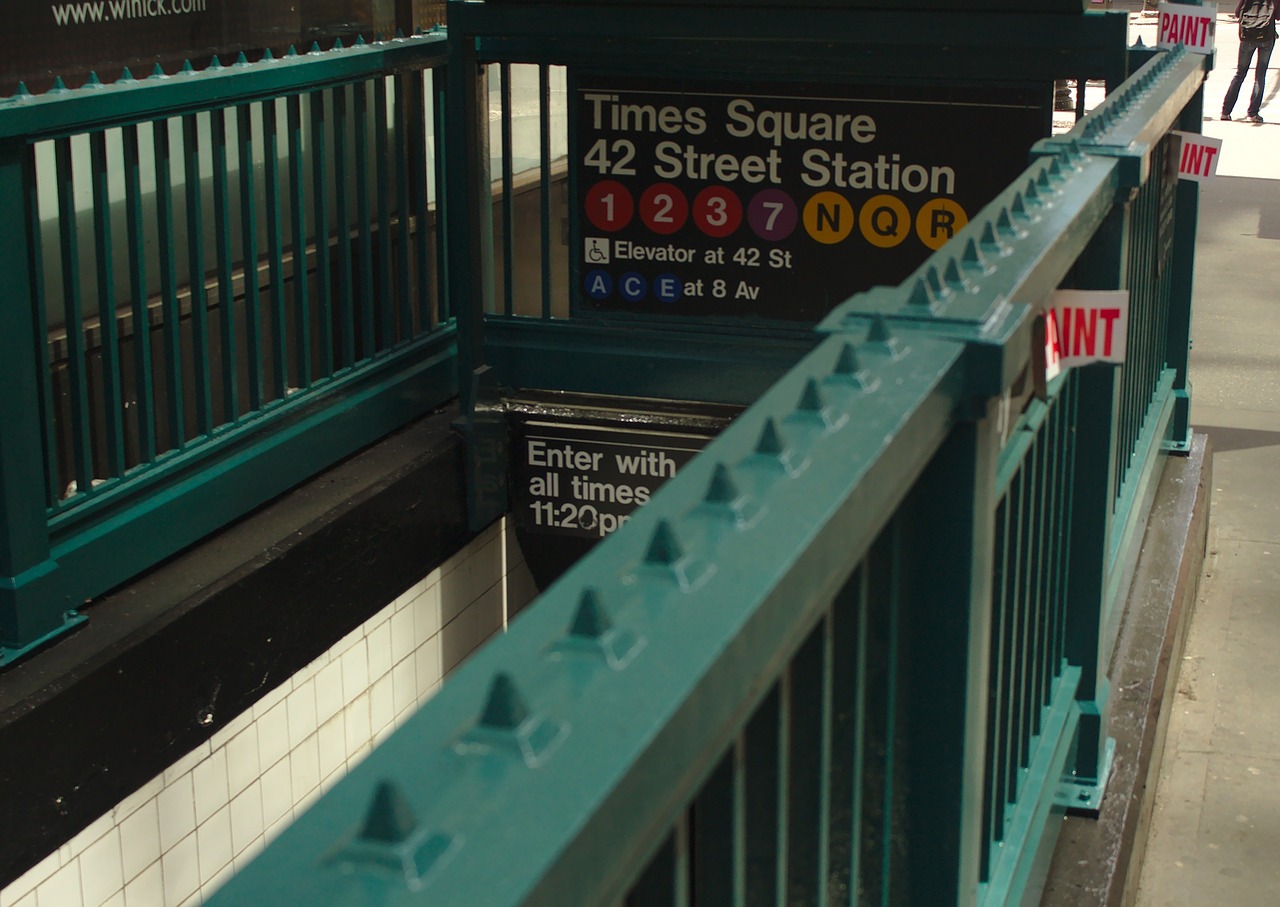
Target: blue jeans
{"x": 1247, "y": 47}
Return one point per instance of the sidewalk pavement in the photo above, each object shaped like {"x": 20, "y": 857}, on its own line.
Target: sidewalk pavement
{"x": 1214, "y": 839}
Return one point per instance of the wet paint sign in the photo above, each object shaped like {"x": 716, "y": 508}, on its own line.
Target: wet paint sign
{"x": 1084, "y": 326}
{"x": 1182, "y": 23}
{"x": 1198, "y": 157}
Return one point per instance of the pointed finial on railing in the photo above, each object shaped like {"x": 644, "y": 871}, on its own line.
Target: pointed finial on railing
{"x": 1004, "y": 223}
{"x": 725, "y": 498}
{"x": 93, "y": 81}
{"x": 881, "y": 335}
{"x": 505, "y": 708}
{"x": 291, "y": 51}
{"x": 1018, "y": 208}
{"x": 848, "y": 369}
{"x": 920, "y": 297}
{"x": 847, "y": 361}
{"x": 337, "y": 44}
{"x": 399, "y": 34}
{"x": 315, "y": 48}
{"x": 955, "y": 277}
{"x": 989, "y": 238}
{"x": 267, "y": 56}
{"x": 664, "y": 548}
{"x": 389, "y": 819}
{"x": 972, "y": 256}
{"x": 811, "y": 398}
{"x": 158, "y": 73}
{"x": 812, "y": 407}
{"x": 242, "y": 59}
{"x": 359, "y": 41}
{"x": 21, "y": 93}
{"x": 722, "y": 489}
{"x": 59, "y": 87}
{"x": 389, "y": 839}
{"x": 770, "y": 443}
{"x": 187, "y": 68}
{"x": 590, "y": 620}
{"x": 214, "y": 64}
{"x": 591, "y": 631}
{"x": 879, "y": 331}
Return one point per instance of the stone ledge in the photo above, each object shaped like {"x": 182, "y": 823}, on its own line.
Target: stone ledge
{"x": 1097, "y": 862}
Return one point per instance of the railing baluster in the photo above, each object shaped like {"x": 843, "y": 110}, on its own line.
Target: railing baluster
{"x": 994, "y": 805}
{"x": 108, "y": 332}
{"x": 844, "y": 772}
{"x": 40, "y": 300}
{"x": 320, "y": 204}
{"x": 808, "y": 764}
{"x": 420, "y": 168}
{"x": 439, "y": 87}
{"x": 342, "y": 214}
{"x": 761, "y": 815}
{"x": 713, "y": 824}
{"x": 298, "y": 222}
{"x": 174, "y": 384}
{"x": 367, "y": 302}
{"x": 199, "y": 298}
{"x": 275, "y": 250}
{"x": 404, "y": 223}
{"x": 382, "y": 170}
{"x": 544, "y": 184}
{"x": 82, "y": 441}
{"x": 143, "y": 395}
{"x": 225, "y": 267}
{"x": 508, "y": 203}
{"x": 656, "y": 886}
{"x": 249, "y": 253}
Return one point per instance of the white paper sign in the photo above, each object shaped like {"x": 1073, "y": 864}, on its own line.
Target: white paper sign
{"x": 1182, "y": 23}
{"x": 1198, "y": 159}
{"x": 1083, "y": 326}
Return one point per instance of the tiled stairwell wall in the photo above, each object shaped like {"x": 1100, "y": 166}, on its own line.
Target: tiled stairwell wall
{"x": 175, "y": 840}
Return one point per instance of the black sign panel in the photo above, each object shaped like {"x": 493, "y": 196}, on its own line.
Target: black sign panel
{"x": 581, "y": 481}
{"x": 780, "y": 201}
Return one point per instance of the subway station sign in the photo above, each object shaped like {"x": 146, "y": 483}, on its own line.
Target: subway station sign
{"x": 776, "y": 202}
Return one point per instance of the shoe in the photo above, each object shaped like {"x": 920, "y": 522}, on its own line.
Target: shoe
{"x": 1254, "y": 118}
{"x": 1225, "y": 116}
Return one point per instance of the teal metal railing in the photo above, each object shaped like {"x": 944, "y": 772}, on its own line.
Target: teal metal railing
{"x": 855, "y": 651}
{"x": 219, "y": 283}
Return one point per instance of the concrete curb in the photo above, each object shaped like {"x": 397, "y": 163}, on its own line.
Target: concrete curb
{"x": 1098, "y": 862}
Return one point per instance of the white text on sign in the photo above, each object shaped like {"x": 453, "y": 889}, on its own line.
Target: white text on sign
{"x": 1198, "y": 159}
{"x": 1083, "y": 326}
{"x": 1181, "y": 23}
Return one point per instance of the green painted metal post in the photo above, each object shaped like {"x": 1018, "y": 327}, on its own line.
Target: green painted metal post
{"x": 1182, "y": 260}
{"x": 26, "y": 616}
{"x": 1093, "y": 477}
{"x": 469, "y": 252}
{"x": 946, "y": 552}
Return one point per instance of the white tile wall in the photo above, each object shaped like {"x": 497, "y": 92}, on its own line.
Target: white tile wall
{"x": 182, "y": 834}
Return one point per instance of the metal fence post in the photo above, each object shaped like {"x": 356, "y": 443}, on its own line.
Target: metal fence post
{"x": 1178, "y": 342}
{"x": 945, "y": 558}
{"x": 467, "y": 204}
{"x": 1093, "y": 489}
{"x": 27, "y": 617}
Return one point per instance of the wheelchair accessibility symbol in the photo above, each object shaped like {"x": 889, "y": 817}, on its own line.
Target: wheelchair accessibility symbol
{"x": 597, "y": 250}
